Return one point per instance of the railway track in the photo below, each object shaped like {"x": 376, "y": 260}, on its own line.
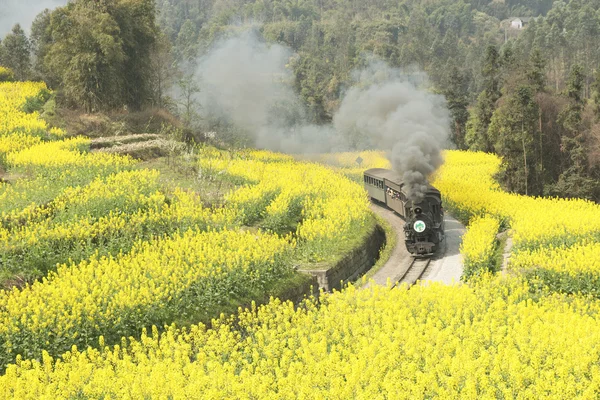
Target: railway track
{"x": 417, "y": 268}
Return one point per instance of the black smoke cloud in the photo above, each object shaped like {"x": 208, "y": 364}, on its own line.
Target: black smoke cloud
{"x": 23, "y": 12}
{"x": 387, "y": 109}
{"x": 246, "y": 82}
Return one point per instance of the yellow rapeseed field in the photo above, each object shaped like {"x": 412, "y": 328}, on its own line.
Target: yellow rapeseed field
{"x": 478, "y": 246}
{"x": 469, "y": 190}
{"x": 488, "y": 341}
{"x": 12, "y": 118}
{"x": 495, "y": 337}
{"x": 131, "y": 255}
{"x": 327, "y": 208}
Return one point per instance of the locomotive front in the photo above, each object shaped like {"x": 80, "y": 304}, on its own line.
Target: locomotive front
{"x": 422, "y": 230}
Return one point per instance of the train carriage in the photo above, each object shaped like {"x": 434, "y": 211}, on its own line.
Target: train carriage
{"x": 424, "y": 221}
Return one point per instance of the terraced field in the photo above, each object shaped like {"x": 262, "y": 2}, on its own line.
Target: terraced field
{"x": 98, "y": 256}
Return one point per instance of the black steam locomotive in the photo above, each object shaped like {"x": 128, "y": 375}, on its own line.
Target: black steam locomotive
{"x": 424, "y": 221}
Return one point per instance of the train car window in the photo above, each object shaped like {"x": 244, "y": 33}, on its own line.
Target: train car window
{"x": 365, "y": 178}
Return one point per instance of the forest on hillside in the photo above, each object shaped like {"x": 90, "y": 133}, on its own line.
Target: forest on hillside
{"x": 531, "y": 95}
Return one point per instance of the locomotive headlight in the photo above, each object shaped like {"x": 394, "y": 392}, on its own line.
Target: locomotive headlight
{"x": 419, "y": 226}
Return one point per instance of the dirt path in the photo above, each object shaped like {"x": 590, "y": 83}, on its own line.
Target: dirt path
{"x": 400, "y": 258}
{"x": 447, "y": 268}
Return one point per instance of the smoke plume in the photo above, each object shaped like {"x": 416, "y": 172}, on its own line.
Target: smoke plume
{"x": 23, "y": 12}
{"x": 389, "y": 111}
{"x": 246, "y": 83}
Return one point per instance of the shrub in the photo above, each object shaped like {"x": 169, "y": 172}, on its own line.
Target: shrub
{"x": 6, "y": 74}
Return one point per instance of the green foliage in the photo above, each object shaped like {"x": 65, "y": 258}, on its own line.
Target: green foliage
{"x": 37, "y": 102}
{"x": 14, "y": 53}
{"x": 88, "y": 56}
{"x": 41, "y": 39}
{"x": 457, "y": 98}
{"x": 514, "y": 130}
{"x": 477, "y": 135}
{"x": 575, "y": 180}
{"x": 536, "y": 72}
{"x": 100, "y": 52}
{"x": 6, "y": 74}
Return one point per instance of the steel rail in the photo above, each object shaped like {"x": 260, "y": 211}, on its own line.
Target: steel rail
{"x": 419, "y": 265}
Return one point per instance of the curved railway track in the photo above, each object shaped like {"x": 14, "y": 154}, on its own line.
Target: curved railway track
{"x": 445, "y": 267}
{"x": 415, "y": 271}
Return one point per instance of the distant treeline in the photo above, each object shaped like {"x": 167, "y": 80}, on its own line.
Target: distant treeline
{"x": 530, "y": 95}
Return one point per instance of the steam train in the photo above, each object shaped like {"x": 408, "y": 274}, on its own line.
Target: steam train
{"x": 424, "y": 221}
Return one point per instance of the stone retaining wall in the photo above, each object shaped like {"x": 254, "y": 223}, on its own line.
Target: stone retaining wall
{"x": 352, "y": 265}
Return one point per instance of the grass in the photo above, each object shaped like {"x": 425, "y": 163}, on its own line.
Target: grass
{"x": 180, "y": 172}
{"x": 391, "y": 241}
{"x": 501, "y": 240}
{"x": 338, "y": 253}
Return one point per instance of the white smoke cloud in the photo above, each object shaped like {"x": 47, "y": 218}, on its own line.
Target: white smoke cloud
{"x": 23, "y": 12}
{"x": 245, "y": 82}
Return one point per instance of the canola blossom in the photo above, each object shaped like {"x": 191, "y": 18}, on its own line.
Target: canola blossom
{"x": 117, "y": 296}
{"x": 567, "y": 269}
{"x": 67, "y": 153}
{"x": 487, "y": 341}
{"x": 478, "y": 246}
{"x": 178, "y": 261}
{"x": 467, "y": 183}
{"x": 322, "y": 207}
{"x": 131, "y": 254}
{"x": 12, "y": 118}
{"x": 469, "y": 189}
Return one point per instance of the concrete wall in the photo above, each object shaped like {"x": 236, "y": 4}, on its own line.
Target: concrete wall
{"x": 352, "y": 265}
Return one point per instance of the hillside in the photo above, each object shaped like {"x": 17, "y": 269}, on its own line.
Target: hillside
{"x": 184, "y": 211}
{"x": 136, "y": 255}
{"x": 529, "y": 94}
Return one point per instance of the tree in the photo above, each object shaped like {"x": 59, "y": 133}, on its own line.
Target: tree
{"x": 138, "y": 32}
{"x": 41, "y": 39}
{"x": 100, "y": 52}
{"x": 186, "y": 45}
{"x": 15, "y": 53}
{"x": 189, "y": 104}
{"x": 87, "y": 56}
{"x": 477, "y": 133}
{"x": 596, "y": 95}
{"x": 514, "y": 131}
{"x": 457, "y": 98}
{"x": 162, "y": 70}
{"x": 574, "y": 181}
{"x": 536, "y": 73}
